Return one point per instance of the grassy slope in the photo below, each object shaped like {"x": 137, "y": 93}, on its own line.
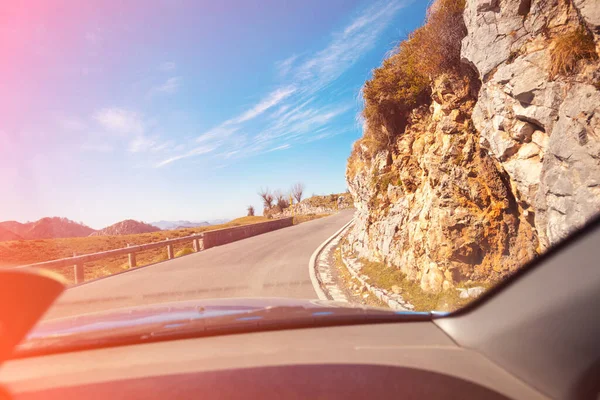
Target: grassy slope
{"x": 385, "y": 277}
{"x": 298, "y": 219}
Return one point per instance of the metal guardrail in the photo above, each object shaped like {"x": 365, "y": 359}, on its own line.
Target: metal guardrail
{"x": 78, "y": 261}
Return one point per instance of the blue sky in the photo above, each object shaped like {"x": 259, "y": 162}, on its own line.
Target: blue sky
{"x": 183, "y": 109}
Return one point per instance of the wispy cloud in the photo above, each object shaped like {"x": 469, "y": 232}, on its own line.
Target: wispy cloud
{"x": 167, "y": 66}
{"x": 170, "y": 86}
{"x": 327, "y": 133}
{"x": 282, "y": 147}
{"x": 301, "y": 121}
{"x": 280, "y": 110}
{"x": 303, "y": 116}
{"x": 194, "y": 152}
{"x": 298, "y": 111}
{"x": 220, "y": 166}
{"x": 220, "y": 132}
{"x": 271, "y": 100}
{"x": 219, "y": 135}
{"x": 134, "y": 127}
{"x": 284, "y": 67}
{"x": 73, "y": 124}
{"x": 347, "y": 46}
{"x": 161, "y": 146}
{"x": 141, "y": 143}
{"x": 119, "y": 120}
{"x": 97, "y": 147}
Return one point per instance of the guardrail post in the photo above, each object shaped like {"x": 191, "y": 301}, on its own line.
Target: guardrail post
{"x": 78, "y": 271}
{"x": 132, "y": 261}
{"x": 169, "y": 251}
{"x": 196, "y": 245}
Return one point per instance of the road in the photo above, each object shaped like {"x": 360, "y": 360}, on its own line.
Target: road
{"x": 273, "y": 264}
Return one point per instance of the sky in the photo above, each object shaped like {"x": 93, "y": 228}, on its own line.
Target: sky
{"x": 182, "y": 110}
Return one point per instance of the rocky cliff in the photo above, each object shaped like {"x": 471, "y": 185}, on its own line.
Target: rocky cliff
{"x": 495, "y": 157}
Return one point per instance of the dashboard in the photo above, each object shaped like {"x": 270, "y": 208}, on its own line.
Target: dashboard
{"x": 412, "y": 360}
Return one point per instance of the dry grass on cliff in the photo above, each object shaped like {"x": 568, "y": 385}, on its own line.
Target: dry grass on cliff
{"x": 298, "y": 219}
{"x": 386, "y": 277}
{"x": 569, "y": 49}
{"x": 184, "y": 252}
{"x": 328, "y": 201}
{"x": 348, "y": 280}
{"x": 403, "y": 82}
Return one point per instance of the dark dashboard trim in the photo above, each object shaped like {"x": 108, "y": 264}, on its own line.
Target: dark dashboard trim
{"x": 324, "y": 322}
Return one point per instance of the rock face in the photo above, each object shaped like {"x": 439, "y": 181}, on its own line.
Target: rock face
{"x": 494, "y": 170}
{"x": 441, "y": 209}
{"x": 543, "y": 131}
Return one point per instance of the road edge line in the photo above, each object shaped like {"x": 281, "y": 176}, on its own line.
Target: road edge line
{"x": 312, "y": 267}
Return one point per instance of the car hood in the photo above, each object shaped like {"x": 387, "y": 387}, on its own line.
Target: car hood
{"x": 167, "y": 321}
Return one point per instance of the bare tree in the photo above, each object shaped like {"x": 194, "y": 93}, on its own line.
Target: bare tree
{"x": 251, "y": 211}
{"x": 281, "y": 199}
{"x": 297, "y": 191}
{"x": 266, "y": 197}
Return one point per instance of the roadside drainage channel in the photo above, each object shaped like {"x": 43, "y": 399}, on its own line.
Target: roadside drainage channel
{"x": 327, "y": 287}
{"x": 394, "y": 301}
{"x": 323, "y": 268}
{"x": 319, "y": 271}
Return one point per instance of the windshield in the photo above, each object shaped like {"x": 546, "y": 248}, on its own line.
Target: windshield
{"x": 389, "y": 154}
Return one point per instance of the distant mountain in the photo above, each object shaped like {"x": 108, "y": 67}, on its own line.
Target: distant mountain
{"x": 169, "y": 225}
{"x": 5, "y": 235}
{"x": 127, "y": 227}
{"x": 16, "y": 227}
{"x": 47, "y": 228}
{"x": 218, "y": 221}
{"x": 56, "y": 227}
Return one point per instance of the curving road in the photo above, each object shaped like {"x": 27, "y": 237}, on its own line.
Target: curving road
{"x": 274, "y": 264}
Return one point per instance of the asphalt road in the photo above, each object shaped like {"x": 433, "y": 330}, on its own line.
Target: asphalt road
{"x": 273, "y": 264}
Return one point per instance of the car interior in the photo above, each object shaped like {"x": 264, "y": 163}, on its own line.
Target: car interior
{"x": 534, "y": 336}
